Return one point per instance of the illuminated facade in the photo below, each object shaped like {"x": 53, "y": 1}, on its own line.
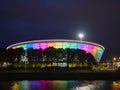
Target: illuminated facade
{"x": 95, "y": 49}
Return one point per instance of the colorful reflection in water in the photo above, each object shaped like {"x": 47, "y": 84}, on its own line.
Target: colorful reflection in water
{"x": 59, "y": 85}
{"x": 116, "y": 85}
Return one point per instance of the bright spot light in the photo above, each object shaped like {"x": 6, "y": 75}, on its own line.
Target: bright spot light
{"x": 81, "y": 35}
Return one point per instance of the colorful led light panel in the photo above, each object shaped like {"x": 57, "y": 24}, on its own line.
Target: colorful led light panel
{"x": 36, "y": 46}
{"x": 51, "y": 44}
{"x": 58, "y": 44}
{"x": 66, "y": 45}
{"x": 73, "y": 45}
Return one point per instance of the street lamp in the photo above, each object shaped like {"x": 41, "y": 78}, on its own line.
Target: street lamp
{"x": 81, "y": 35}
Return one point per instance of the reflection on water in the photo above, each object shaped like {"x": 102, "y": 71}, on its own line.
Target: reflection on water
{"x": 116, "y": 85}
{"x": 15, "y": 86}
{"x": 59, "y": 85}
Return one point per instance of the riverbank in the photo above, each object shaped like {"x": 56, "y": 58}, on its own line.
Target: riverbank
{"x": 59, "y": 75}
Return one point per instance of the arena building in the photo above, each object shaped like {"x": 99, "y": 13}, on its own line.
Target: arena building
{"x": 95, "y": 49}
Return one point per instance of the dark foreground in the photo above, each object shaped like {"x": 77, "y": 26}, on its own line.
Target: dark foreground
{"x": 58, "y": 75}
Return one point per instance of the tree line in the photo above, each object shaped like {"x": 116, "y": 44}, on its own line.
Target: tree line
{"x": 49, "y": 55}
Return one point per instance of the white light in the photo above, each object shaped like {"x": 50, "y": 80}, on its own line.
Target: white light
{"x": 81, "y": 36}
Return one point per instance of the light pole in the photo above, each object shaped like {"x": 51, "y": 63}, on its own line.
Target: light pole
{"x": 81, "y": 35}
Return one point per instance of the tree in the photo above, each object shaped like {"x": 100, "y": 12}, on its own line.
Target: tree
{"x": 30, "y": 54}
{"x": 68, "y": 59}
{"x": 19, "y": 52}
{"x": 10, "y": 55}
{"x": 91, "y": 60}
{"x": 81, "y": 56}
{"x": 37, "y": 55}
{"x": 2, "y": 54}
{"x": 50, "y": 54}
{"x": 60, "y": 55}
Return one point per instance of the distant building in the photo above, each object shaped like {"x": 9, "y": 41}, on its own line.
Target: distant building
{"x": 112, "y": 64}
{"x": 115, "y": 62}
{"x": 95, "y": 49}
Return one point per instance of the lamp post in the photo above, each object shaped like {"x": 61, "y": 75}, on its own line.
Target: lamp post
{"x": 81, "y": 35}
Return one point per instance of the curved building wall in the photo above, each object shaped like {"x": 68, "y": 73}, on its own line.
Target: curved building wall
{"x": 95, "y": 49}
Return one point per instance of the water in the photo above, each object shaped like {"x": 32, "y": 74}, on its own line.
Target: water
{"x": 59, "y": 85}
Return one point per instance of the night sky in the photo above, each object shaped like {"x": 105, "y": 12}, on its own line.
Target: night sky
{"x": 99, "y": 20}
